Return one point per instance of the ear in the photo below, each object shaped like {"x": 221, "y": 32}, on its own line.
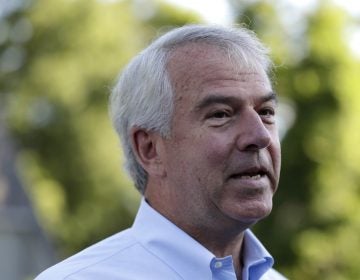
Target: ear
{"x": 147, "y": 147}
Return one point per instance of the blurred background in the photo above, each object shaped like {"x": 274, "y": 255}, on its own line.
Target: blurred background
{"x": 62, "y": 187}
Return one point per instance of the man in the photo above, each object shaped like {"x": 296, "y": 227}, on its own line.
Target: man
{"x": 196, "y": 113}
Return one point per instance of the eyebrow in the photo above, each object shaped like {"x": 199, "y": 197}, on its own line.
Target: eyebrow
{"x": 220, "y": 99}
{"x": 271, "y": 96}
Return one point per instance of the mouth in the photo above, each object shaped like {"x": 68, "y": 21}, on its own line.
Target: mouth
{"x": 247, "y": 176}
{"x": 250, "y": 174}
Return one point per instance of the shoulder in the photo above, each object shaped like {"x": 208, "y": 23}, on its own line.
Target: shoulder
{"x": 97, "y": 256}
{"x": 120, "y": 256}
{"x": 272, "y": 274}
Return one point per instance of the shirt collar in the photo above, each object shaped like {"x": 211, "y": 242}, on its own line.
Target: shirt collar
{"x": 172, "y": 245}
{"x": 257, "y": 260}
{"x": 181, "y": 252}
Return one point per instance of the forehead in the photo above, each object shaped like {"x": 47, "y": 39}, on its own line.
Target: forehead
{"x": 192, "y": 62}
{"x": 198, "y": 67}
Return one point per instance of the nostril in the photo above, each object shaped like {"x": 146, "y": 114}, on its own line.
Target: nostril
{"x": 257, "y": 140}
{"x": 252, "y": 147}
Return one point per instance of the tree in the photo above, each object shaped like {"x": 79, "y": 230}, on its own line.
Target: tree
{"x": 58, "y": 114}
{"x": 313, "y": 230}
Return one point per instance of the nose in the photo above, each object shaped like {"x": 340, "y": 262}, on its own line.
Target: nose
{"x": 253, "y": 133}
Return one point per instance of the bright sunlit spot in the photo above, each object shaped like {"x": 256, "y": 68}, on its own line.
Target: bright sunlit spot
{"x": 218, "y": 12}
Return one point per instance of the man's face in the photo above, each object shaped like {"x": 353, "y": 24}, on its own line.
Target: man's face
{"x": 222, "y": 159}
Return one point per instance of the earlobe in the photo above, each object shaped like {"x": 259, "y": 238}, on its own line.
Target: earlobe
{"x": 145, "y": 145}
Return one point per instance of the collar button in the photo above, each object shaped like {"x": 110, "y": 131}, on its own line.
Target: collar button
{"x": 218, "y": 264}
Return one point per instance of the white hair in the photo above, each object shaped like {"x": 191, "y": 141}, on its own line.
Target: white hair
{"x": 143, "y": 96}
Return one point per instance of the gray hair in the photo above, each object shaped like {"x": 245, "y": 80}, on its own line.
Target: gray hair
{"x": 143, "y": 95}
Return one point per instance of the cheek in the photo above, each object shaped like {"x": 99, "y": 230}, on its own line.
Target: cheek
{"x": 276, "y": 156}
{"x": 202, "y": 150}
{"x": 275, "y": 143}
{"x": 277, "y": 148}
{"x": 215, "y": 150}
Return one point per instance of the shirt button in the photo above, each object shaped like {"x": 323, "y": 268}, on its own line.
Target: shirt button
{"x": 218, "y": 264}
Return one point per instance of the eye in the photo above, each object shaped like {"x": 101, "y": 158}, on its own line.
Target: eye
{"x": 268, "y": 114}
{"x": 220, "y": 115}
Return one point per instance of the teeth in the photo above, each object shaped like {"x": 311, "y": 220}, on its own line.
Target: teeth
{"x": 254, "y": 177}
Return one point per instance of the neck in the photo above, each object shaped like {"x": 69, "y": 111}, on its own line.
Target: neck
{"x": 222, "y": 238}
{"x": 222, "y": 244}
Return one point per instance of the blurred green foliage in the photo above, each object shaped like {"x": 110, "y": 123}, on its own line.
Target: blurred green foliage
{"x": 314, "y": 228}
{"x": 56, "y": 108}
{"x": 57, "y": 111}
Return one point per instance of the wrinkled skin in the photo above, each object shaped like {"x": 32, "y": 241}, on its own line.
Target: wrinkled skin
{"x": 221, "y": 163}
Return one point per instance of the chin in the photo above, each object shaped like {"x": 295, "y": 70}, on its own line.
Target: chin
{"x": 253, "y": 214}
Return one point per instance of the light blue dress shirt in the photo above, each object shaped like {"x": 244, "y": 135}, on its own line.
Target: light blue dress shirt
{"x": 155, "y": 249}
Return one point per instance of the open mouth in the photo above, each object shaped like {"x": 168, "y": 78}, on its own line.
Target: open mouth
{"x": 249, "y": 175}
